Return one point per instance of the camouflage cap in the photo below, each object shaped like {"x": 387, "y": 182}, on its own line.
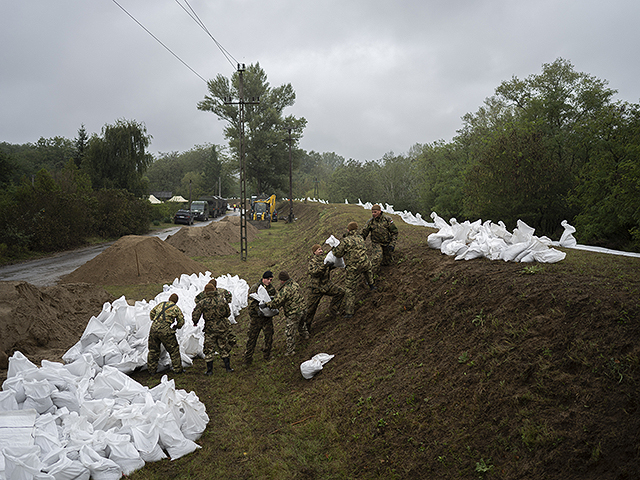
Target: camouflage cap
{"x": 315, "y": 247}
{"x": 376, "y": 207}
{"x": 352, "y": 226}
{"x": 283, "y": 276}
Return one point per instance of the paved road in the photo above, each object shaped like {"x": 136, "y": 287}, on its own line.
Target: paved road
{"x": 47, "y": 271}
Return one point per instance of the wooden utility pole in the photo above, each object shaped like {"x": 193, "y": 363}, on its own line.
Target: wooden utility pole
{"x": 243, "y": 177}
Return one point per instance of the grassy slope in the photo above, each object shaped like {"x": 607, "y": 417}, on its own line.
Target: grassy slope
{"x": 451, "y": 370}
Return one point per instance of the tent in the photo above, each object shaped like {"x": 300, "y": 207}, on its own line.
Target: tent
{"x": 154, "y": 200}
{"x": 178, "y": 199}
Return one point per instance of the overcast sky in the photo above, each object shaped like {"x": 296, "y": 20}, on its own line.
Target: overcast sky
{"x": 370, "y": 76}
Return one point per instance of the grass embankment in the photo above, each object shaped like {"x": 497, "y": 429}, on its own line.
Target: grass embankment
{"x": 474, "y": 369}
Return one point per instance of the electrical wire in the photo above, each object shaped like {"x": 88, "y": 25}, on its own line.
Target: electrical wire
{"x": 194, "y": 16}
{"x": 158, "y": 40}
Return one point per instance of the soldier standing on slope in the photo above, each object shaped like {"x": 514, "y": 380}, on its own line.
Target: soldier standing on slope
{"x": 354, "y": 253}
{"x": 163, "y": 317}
{"x": 384, "y": 235}
{"x": 217, "y": 329}
{"x": 321, "y": 285}
{"x": 292, "y": 301}
{"x": 258, "y": 321}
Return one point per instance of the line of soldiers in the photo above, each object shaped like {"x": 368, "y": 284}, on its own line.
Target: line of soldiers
{"x": 213, "y": 303}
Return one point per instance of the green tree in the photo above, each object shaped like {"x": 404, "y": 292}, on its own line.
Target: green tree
{"x": 399, "y": 181}
{"x": 265, "y": 126}
{"x": 355, "y": 181}
{"x": 608, "y": 193}
{"x": 81, "y": 145}
{"x": 443, "y": 167}
{"x": 119, "y": 158}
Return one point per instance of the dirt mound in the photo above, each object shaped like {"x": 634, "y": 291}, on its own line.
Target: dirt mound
{"x": 45, "y": 322}
{"x": 134, "y": 260}
{"x": 211, "y": 240}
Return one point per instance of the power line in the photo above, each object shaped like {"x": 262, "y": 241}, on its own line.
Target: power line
{"x": 194, "y": 16}
{"x": 158, "y": 40}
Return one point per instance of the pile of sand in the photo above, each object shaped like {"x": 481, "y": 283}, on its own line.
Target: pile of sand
{"x": 33, "y": 318}
{"x": 213, "y": 239}
{"x": 134, "y": 260}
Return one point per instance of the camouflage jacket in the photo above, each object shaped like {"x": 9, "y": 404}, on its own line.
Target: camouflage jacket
{"x": 163, "y": 315}
{"x": 253, "y": 303}
{"x": 382, "y": 230}
{"x": 319, "y": 273}
{"x": 290, "y": 297}
{"x": 352, "y": 249}
{"x": 227, "y": 295}
{"x": 215, "y": 310}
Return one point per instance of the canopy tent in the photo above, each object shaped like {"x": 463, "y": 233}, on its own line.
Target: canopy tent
{"x": 154, "y": 200}
{"x": 178, "y": 199}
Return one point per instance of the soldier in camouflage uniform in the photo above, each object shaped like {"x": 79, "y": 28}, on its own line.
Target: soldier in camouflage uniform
{"x": 224, "y": 291}
{"x": 162, "y": 317}
{"x": 320, "y": 285}
{"x": 354, "y": 253}
{"x": 292, "y": 301}
{"x": 384, "y": 235}
{"x": 258, "y": 321}
{"x": 215, "y": 310}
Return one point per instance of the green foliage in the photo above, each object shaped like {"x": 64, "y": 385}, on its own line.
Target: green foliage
{"x": 205, "y": 165}
{"x": 119, "y": 158}
{"x": 355, "y": 181}
{"x": 442, "y": 168}
{"x": 517, "y": 176}
{"x": 119, "y": 213}
{"x": 608, "y": 194}
{"x": 266, "y": 129}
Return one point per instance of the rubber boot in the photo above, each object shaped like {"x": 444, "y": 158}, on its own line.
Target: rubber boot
{"x": 209, "y": 368}
{"x": 227, "y": 365}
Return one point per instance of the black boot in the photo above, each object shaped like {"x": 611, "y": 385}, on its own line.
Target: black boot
{"x": 227, "y": 365}
{"x": 209, "y": 368}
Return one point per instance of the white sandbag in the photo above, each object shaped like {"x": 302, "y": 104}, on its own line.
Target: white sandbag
{"x": 194, "y": 419}
{"x": 567, "y": 239}
{"x": 62, "y": 467}
{"x": 21, "y": 462}
{"x": 101, "y": 468}
{"x": 8, "y": 401}
{"x": 38, "y": 394}
{"x": 123, "y": 452}
{"x": 46, "y": 434}
{"x": 262, "y": 296}
{"x": 310, "y": 367}
{"x": 172, "y": 439}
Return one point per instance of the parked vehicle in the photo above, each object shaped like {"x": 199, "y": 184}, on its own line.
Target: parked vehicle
{"x": 183, "y": 216}
{"x": 217, "y": 205}
{"x": 200, "y": 210}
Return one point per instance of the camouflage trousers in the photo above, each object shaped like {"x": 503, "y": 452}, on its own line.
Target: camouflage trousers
{"x": 380, "y": 256}
{"x": 294, "y": 326}
{"x": 264, "y": 324}
{"x": 351, "y": 283}
{"x": 313, "y": 300}
{"x": 220, "y": 342}
{"x": 168, "y": 339}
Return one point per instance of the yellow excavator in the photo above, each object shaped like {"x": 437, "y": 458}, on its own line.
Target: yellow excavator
{"x": 264, "y": 209}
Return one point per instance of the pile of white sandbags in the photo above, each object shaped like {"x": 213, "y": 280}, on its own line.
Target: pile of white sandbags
{"x": 118, "y": 335}
{"x": 469, "y": 240}
{"x": 87, "y": 418}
